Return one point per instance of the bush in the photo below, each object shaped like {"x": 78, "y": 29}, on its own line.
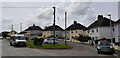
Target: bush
{"x": 117, "y": 43}
{"x": 61, "y": 38}
{"x": 82, "y": 38}
{"x": 30, "y": 44}
{"x": 8, "y": 38}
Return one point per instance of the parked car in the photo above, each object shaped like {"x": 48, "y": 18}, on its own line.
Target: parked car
{"x": 1, "y": 37}
{"x": 17, "y": 40}
{"x": 105, "y": 46}
{"x": 32, "y": 38}
{"x": 50, "y": 40}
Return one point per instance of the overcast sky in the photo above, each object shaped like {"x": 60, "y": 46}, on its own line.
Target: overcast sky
{"x": 83, "y": 12}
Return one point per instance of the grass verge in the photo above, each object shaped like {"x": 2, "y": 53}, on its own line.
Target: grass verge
{"x": 48, "y": 46}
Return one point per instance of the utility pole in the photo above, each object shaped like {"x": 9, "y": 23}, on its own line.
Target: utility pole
{"x": 65, "y": 27}
{"x": 20, "y": 27}
{"x": 110, "y": 27}
{"x": 54, "y": 25}
{"x": 11, "y": 27}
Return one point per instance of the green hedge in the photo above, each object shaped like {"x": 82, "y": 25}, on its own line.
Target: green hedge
{"x": 48, "y": 46}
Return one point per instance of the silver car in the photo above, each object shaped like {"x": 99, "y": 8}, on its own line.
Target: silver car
{"x": 105, "y": 46}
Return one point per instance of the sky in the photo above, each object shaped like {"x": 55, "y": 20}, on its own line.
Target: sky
{"x": 84, "y": 13}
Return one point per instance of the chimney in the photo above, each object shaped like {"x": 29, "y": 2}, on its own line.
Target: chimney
{"x": 100, "y": 17}
{"x": 33, "y": 24}
{"x": 75, "y": 22}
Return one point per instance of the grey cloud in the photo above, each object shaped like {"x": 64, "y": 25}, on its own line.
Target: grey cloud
{"x": 80, "y": 12}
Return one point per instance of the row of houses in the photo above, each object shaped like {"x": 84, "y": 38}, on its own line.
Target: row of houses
{"x": 97, "y": 30}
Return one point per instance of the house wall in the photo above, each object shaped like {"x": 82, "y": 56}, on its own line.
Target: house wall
{"x": 50, "y": 33}
{"x": 106, "y": 32}
{"x": 32, "y": 33}
{"x": 74, "y": 33}
{"x": 100, "y": 32}
{"x": 12, "y": 33}
{"x": 117, "y": 32}
{"x": 94, "y": 33}
{"x": 46, "y": 33}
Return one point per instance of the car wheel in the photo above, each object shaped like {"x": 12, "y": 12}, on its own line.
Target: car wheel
{"x": 11, "y": 44}
{"x": 55, "y": 42}
{"x": 98, "y": 52}
{"x": 111, "y": 53}
{"x": 25, "y": 45}
{"x": 14, "y": 45}
{"x": 46, "y": 42}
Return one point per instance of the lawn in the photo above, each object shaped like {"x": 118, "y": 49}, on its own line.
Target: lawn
{"x": 48, "y": 46}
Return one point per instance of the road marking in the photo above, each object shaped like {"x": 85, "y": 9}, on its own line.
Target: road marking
{"x": 45, "y": 52}
{"x": 115, "y": 54}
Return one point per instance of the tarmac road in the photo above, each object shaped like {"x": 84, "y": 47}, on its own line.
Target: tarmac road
{"x": 77, "y": 50}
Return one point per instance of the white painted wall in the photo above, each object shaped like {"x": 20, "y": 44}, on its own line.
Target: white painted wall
{"x": 117, "y": 32}
{"x": 106, "y": 32}
{"x": 35, "y": 32}
{"x": 59, "y": 33}
{"x": 103, "y": 32}
{"x": 94, "y": 34}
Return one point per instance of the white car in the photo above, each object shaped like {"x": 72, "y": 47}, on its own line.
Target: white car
{"x": 50, "y": 40}
{"x": 16, "y": 40}
{"x": 1, "y": 37}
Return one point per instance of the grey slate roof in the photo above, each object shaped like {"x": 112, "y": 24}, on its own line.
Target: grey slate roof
{"x": 50, "y": 28}
{"x": 102, "y": 21}
{"x": 76, "y": 26}
{"x": 34, "y": 28}
{"x": 118, "y": 21}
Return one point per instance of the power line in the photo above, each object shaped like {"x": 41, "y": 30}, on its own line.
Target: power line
{"x": 61, "y": 9}
{"x": 45, "y": 12}
{"x": 24, "y": 7}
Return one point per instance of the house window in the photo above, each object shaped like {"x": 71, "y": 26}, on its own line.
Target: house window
{"x": 97, "y": 30}
{"x": 76, "y": 31}
{"x": 57, "y": 35}
{"x": 113, "y": 29}
{"x": 71, "y": 31}
{"x": 92, "y": 31}
{"x": 72, "y": 36}
{"x": 88, "y": 31}
{"x": 67, "y": 32}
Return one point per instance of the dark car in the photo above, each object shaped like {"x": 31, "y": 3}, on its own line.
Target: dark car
{"x": 105, "y": 46}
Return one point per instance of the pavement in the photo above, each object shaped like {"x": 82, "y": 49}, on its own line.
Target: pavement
{"x": 77, "y": 50}
{"x": 8, "y": 50}
{"x": 117, "y": 47}
{"x": 0, "y": 48}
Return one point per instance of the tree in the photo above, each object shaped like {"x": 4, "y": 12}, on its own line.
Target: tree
{"x": 5, "y": 34}
{"x": 45, "y": 27}
{"x": 82, "y": 38}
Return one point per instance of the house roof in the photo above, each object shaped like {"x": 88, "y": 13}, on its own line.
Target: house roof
{"x": 13, "y": 31}
{"x": 76, "y": 26}
{"x": 118, "y": 21}
{"x": 23, "y": 32}
{"x": 50, "y": 28}
{"x": 34, "y": 28}
{"x": 102, "y": 21}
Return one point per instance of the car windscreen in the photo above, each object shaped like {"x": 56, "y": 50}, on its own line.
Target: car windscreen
{"x": 104, "y": 43}
{"x": 20, "y": 37}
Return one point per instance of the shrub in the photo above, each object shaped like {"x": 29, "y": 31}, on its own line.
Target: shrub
{"x": 82, "y": 38}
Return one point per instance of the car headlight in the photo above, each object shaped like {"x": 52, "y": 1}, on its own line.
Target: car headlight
{"x": 111, "y": 47}
{"x": 98, "y": 47}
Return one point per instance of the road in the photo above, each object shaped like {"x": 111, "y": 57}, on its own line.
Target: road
{"x": 8, "y": 50}
{"x": 78, "y": 50}
{"x": 0, "y": 48}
